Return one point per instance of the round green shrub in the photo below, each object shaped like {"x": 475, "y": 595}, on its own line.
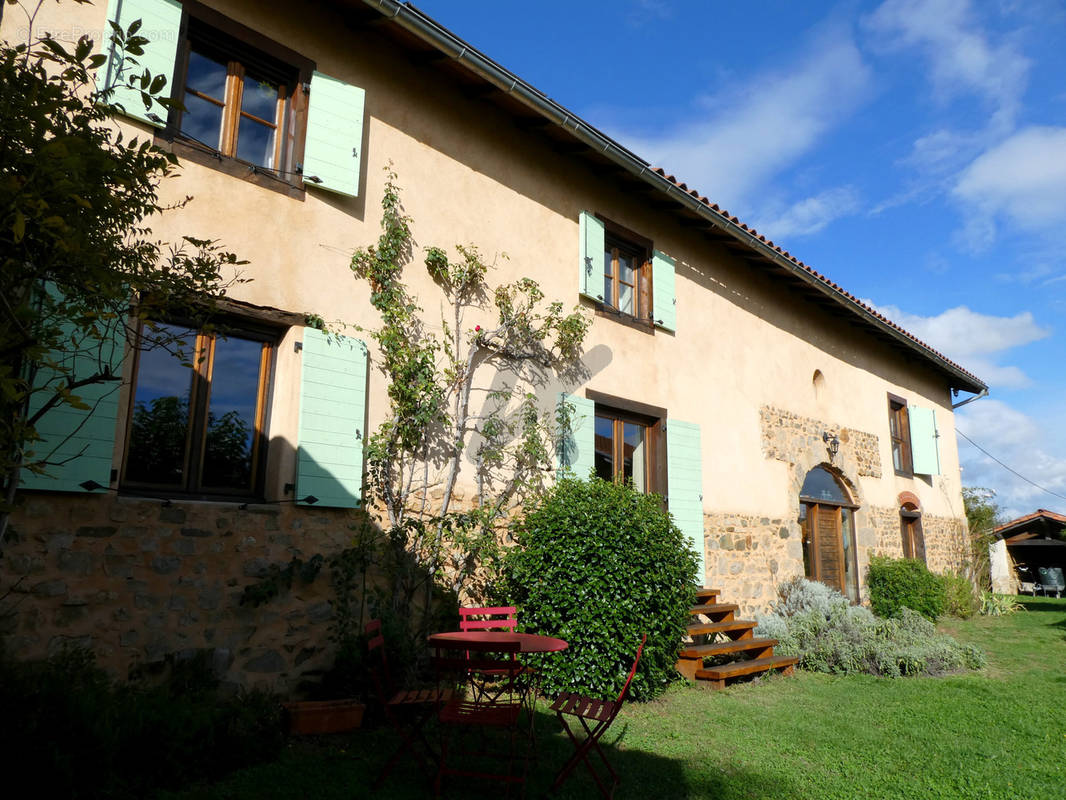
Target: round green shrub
{"x": 898, "y": 583}
{"x": 599, "y": 565}
{"x": 960, "y": 596}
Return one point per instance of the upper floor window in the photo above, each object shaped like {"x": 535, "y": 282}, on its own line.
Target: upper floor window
{"x": 237, "y": 101}
{"x": 899, "y": 432}
{"x": 624, "y": 274}
{"x": 198, "y": 410}
{"x": 626, "y": 278}
{"x": 246, "y": 104}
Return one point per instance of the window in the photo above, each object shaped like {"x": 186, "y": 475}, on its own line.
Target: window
{"x": 237, "y": 101}
{"x": 910, "y": 525}
{"x": 827, "y": 523}
{"x": 622, "y": 273}
{"x": 252, "y": 107}
{"x": 899, "y": 432}
{"x": 625, "y": 278}
{"x": 624, "y": 447}
{"x": 198, "y": 407}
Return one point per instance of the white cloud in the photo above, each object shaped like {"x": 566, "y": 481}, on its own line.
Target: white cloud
{"x": 1022, "y": 179}
{"x": 810, "y": 215}
{"x": 973, "y": 339}
{"x": 1021, "y": 443}
{"x": 961, "y": 57}
{"x": 758, "y": 129}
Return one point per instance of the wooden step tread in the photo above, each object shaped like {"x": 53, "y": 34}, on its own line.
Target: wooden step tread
{"x": 707, "y": 594}
{"x": 714, "y": 608}
{"x": 738, "y": 668}
{"x": 721, "y": 648}
{"x": 699, "y": 628}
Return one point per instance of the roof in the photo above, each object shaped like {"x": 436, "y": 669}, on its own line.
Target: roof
{"x": 1041, "y": 523}
{"x": 570, "y": 134}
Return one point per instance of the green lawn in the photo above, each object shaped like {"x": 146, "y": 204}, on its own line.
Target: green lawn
{"x": 1000, "y": 733}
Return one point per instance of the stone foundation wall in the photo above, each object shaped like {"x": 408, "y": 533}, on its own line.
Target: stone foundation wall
{"x": 748, "y": 556}
{"x": 135, "y": 580}
{"x": 946, "y": 546}
{"x": 885, "y": 522}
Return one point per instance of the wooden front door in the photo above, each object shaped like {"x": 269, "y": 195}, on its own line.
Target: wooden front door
{"x": 826, "y": 546}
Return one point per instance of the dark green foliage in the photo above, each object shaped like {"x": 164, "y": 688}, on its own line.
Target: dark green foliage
{"x": 960, "y": 597}
{"x": 898, "y": 583}
{"x": 74, "y": 733}
{"x": 599, "y": 564}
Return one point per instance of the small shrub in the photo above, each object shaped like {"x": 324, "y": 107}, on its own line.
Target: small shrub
{"x": 960, "y": 596}
{"x": 599, "y": 564}
{"x": 898, "y": 583}
{"x": 829, "y": 635}
{"x": 998, "y": 605}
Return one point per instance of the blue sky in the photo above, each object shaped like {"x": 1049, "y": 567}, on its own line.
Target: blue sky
{"x": 912, "y": 150}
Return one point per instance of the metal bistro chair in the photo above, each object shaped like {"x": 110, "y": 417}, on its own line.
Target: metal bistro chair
{"x": 417, "y": 704}
{"x": 480, "y": 735}
{"x": 595, "y": 717}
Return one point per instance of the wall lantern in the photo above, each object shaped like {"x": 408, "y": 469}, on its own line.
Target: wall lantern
{"x": 832, "y": 444}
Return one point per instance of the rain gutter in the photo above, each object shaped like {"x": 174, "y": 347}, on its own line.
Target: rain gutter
{"x": 414, "y": 21}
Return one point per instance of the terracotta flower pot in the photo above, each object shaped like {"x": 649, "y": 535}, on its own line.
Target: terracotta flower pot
{"x": 324, "y": 716}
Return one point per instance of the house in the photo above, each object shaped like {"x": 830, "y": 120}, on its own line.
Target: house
{"x": 1023, "y": 545}
{"x": 793, "y": 429}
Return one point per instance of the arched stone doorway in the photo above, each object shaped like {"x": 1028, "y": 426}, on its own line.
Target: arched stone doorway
{"x": 827, "y": 522}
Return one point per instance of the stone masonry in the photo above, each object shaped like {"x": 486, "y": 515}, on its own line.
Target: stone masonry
{"x": 137, "y": 579}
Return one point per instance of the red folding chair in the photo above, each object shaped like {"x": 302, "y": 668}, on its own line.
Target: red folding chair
{"x": 487, "y": 618}
{"x": 595, "y": 717}
{"x": 480, "y": 736}
{"x": 418, "y": 704}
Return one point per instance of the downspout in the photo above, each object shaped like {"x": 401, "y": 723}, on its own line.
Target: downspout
{"x": 978, "y": 396}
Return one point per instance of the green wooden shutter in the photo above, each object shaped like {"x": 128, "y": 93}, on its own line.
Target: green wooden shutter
{"x": 79, "y": 443}
{"x": 161, "y": 26}
{"x": 329, "y": 460}
{"x": 664, "y": 299}
{"x": 577, "y": 451}
{"x": 684, "y": 482}
{"x": 591, "y": 262}
{"x": 334, "y": 135}
{"x": 925, "y": 452}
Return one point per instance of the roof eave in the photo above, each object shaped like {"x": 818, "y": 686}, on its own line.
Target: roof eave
{"x": 414, "y": 21}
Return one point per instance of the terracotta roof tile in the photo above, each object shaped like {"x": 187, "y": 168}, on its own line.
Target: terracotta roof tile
{"x": 837, "y": 288}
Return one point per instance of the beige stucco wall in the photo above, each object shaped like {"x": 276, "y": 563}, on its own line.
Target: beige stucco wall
{"x": 470, "y": 174}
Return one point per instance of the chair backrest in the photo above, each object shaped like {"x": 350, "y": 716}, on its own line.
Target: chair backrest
{"x": 1056, "y": 577}
{"x": 487, "y": 618}
{"x": 632, "y": 671}
{"x": 378, "y": 662}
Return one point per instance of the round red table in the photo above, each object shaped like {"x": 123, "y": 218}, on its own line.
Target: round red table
{"x": 527, "y": 642}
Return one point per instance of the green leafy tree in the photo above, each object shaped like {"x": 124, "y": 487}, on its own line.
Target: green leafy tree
{"x": 78, "y": 262}
{"x": 415, "y": 456}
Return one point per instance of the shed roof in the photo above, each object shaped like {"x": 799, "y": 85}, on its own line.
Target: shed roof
{"x": 570, "y": 134}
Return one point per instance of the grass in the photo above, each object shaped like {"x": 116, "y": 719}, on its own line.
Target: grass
{"x": 999, "y": 733}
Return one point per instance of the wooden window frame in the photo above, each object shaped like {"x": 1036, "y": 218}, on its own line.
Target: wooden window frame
{"x": 242, "y": 47}
{"x": 618, "y": 239}
{"x": 654, "y": 441}
{"x": 901, "y": 439}
{"x": 911, "y": 534}
{"x": 199, "y": 407}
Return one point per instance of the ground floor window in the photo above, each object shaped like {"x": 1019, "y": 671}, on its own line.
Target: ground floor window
{"x": 197, "y": 411}
{"x": 626, "y": 447}
{"x": 827, "y": 521}
{"x": 910, "y": 526}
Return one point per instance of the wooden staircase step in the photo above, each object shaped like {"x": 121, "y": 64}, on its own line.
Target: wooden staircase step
{"x": 720, "y": 674}
{"x": 732, "y": 646}
{"x": 714, "y": 609}
{"x": 705, "y": 594}
{"x": 741, "y": 627}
